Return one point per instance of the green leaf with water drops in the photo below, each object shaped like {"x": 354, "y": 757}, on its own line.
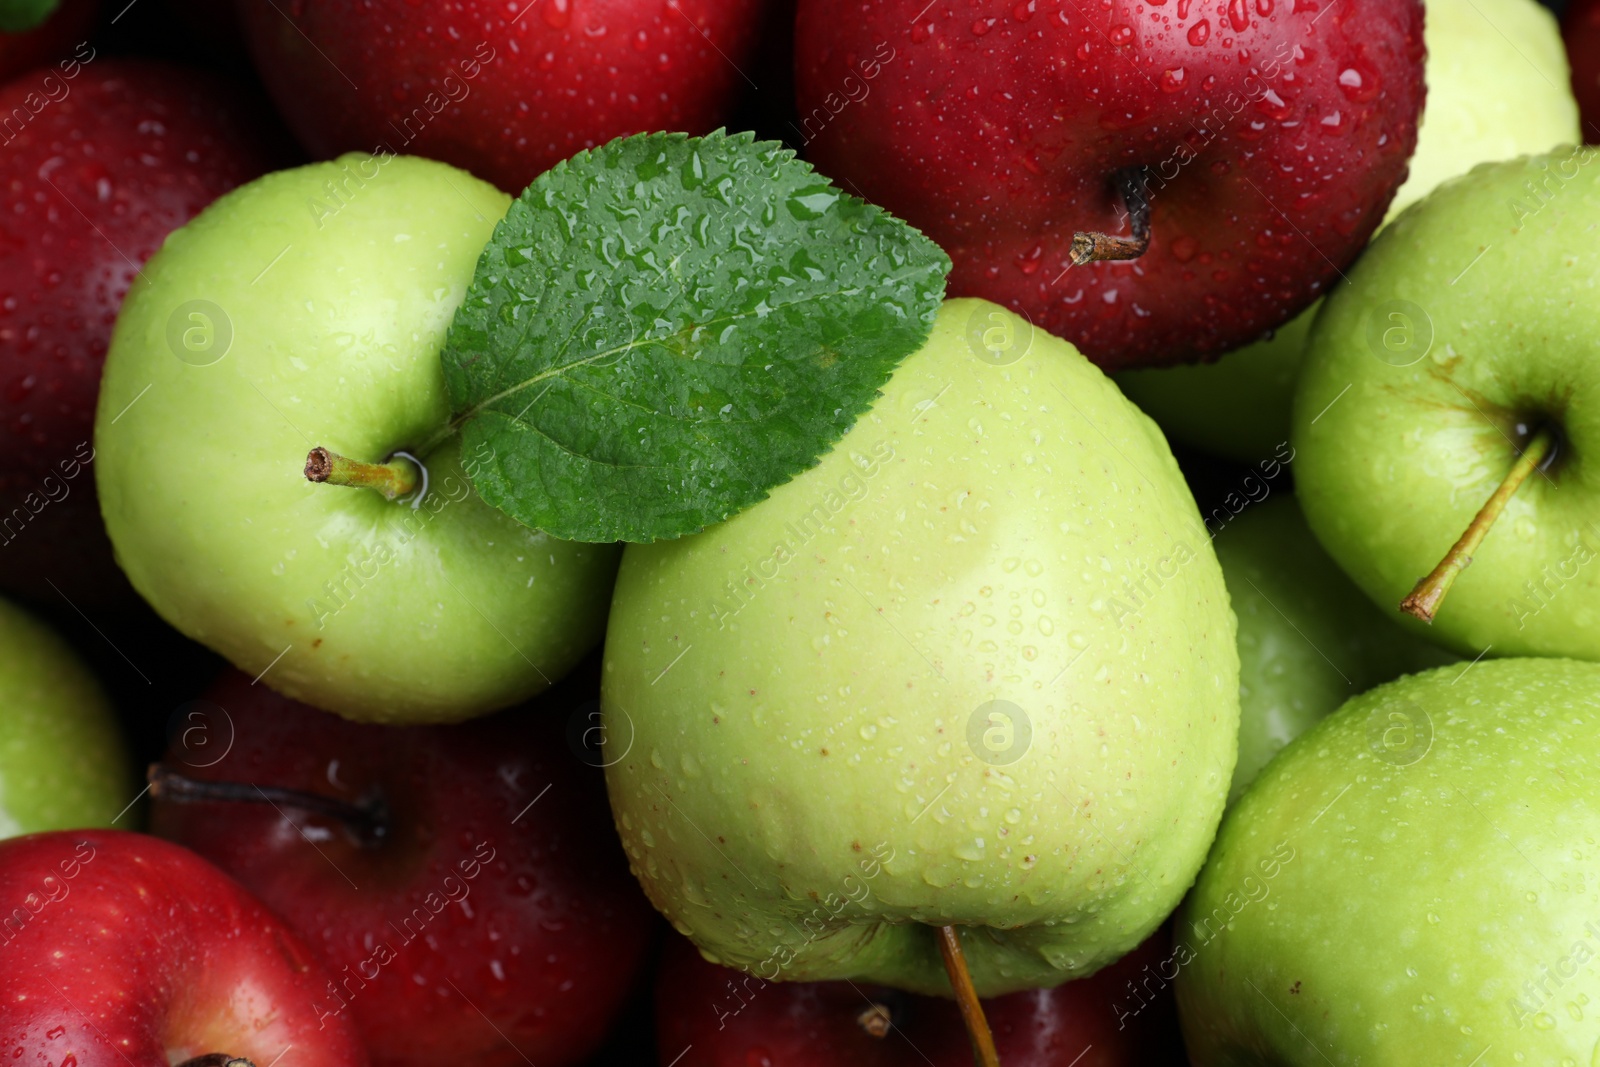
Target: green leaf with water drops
{"x": 664, "y": 328}
{"x": 17, "y": 16}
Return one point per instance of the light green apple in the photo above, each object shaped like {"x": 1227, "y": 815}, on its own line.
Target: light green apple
{"x": 1416, "y": 880}
{"x": 1309, "y": 639}
{"x": 62, "y": 761}
{"x": 1498, "y": 87}
{"x": 308, "y": 309}
{"x": 975, "y": 668}
{"x": 1466, "y": 328}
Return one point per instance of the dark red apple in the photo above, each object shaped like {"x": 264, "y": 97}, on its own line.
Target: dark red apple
{"x": 502, "y": 88}
{"x": 710, "y": 1016}
{"x": 463, "y": 883}
{"x": 1264, "y": 137}
{"x": 124, "y": 951}
{"x": 54, "y": 39}
{"x": 1580, "y": 28}
{"x": 102, "y": 159}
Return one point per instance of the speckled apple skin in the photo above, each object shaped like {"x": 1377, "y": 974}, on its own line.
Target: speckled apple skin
{"x": 801, "y": 793}
{"x": 338, "y": 308}
{"x": 1496, "y": 290}
{"x": 1396, "y": 911}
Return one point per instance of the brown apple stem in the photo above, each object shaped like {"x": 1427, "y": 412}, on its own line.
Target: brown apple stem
{"x": 955, "y": 963}
{"x": 217, "y": 1059}
{"x": 1424, "y": 600}
{"x": 1093, "y": 247}
{"x": 368, "y": 821}
{"x": 395, "y": 478}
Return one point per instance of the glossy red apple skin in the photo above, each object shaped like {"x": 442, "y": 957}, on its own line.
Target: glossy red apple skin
{"x": 498, "y": 834}
{"x": 52, "y": 40}
{"x": 1275, "y": 144}
{"x": 724, "y": 1018}
{"x": 116, "y": 154}
{"x": 504, "y": 90}
{"x": 1580, "y": 28}
{"x": 121, "y": 950}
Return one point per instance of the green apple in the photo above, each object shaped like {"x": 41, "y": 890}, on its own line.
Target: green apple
{"x": 1413, "y": 881}
{"x": 62, "y": 761}
{"x": 1465, "y": 331}
{"x": 1498, "y": 88}
{"x": 1308, "y": 638}
{"x": 308, "y": 309}
{"x": 976, "y": 668}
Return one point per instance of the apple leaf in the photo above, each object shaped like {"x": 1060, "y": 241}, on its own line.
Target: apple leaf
{"x": 664, "y": 328}
{"x": 16, "y": 16}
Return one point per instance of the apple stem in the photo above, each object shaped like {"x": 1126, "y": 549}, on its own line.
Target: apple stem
{"x": 1424, "y": 600}
{"x": 396, "y": 477}
{"x": 1093, "y": 247}
{"x": 217, "y": 1059}
{"x": 368, "y": 821}
{"x": 955, "y": 963}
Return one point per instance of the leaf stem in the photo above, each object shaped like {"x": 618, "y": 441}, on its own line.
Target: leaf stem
{"x": 394, "y": 478}
{"x": 1424, "y": 600}
{"x": 955, "y": 963}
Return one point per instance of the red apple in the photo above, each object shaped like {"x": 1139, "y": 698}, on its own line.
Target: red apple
{"x": 502, "y": 88}
{"x": 52, "y": 40}
{"x": 1580, "y": 28}
{"x": 124, "y": 951}
{"x": 710, "y": 1016}
{"x": 1267, "y": 138}
{"x": 101, "y": 159}
{"x": 471, "y": 898}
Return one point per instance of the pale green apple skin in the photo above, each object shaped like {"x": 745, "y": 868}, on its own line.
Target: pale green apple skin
{"x": 1388, "y": 898}
{"x": 347, "y": 601}
{"x": 1394, "y": 461}
{"x": 63, "y": 765}
{"x": 788, "y": 726}
{"x": 1498, "y": 87}
{"x": 1309, "y": 639}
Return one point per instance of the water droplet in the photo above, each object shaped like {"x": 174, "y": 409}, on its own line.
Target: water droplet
{"x": 1238, "y": 16}
{"x": 869, "y": 731}
{"x": 1200, "y": 32}
{"x": 1121, "y": 35}
{"x": 557, "y": 13}
{"x": 1172, "y": 79}
{"x": 980, "y": 27}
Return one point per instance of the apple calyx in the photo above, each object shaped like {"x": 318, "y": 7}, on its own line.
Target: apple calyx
{"x": 367, "y": 822}
{"x": 400, "y": 475}
{"x": 217, "y": 1059}
{"x": 876, "y": 1019}
{"x": 1423, "y": 602}
{"x": 984, "y": 1053}
{"x": 1093, "y": 247}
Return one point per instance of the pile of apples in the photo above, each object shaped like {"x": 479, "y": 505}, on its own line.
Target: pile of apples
{"x": 1187, "y": 650}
